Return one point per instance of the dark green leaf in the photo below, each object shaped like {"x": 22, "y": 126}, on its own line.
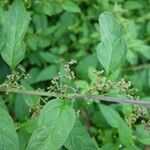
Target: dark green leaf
{"x": 2, "y": 104}
{"x": 47, "y": 74}
{"x": 21, "y": 108}
{"x": 79, "y": 139}
{"x": 23, "y": 139}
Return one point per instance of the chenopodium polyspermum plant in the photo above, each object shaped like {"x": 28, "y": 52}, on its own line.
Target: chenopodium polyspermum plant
{"x": 56, "y": 122}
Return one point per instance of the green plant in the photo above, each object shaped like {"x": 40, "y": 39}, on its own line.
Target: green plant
{"x": 75, "y": 106}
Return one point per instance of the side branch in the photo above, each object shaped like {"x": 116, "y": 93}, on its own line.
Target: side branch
{"x": 78, "y": 96}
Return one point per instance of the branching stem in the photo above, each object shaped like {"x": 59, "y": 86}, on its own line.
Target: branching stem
{"x": 78, "y": 96}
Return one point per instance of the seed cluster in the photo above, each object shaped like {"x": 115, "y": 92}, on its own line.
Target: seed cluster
{"x": 62, "y": 84}
{"x": 138, "y": 114}
{"x": 12, "y": 80}
{"x": 102, "y": 85}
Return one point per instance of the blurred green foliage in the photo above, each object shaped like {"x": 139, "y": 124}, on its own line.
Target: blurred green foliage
{"x": 61, "y": 30}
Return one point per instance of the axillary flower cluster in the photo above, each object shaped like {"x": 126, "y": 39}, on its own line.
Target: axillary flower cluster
{"x": 63, "y": 86}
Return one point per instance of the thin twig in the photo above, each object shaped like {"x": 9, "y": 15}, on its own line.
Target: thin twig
{"x": 79, "y": 96}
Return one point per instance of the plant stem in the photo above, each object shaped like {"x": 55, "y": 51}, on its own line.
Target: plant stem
{"x": 112, "y": 99}
{"x": 78, "y": 96}
{"x": 29, "y": 92}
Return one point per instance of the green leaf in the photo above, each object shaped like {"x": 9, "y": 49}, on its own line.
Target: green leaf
{"x": 65, "y": 21}
{"x": 2, "y": 104}
{"x": 125, "y": 134}
{"x": 112, "y": 49}
{"x": 110, "y": 146}
{"x": 83, "y": 69}
{"x": 70, "y": 6}
{"x": 113, "y": 118}
{"x": 21, "y": 108}
{"x": 30, "y": 125}
{"x": 143, "y": 135}
{"x": 132, "y": 148}
{"x": 14, "y": 29}
{"x": 23, "y": 101}
{"x": 1, "y": 39}
{"x": 8, "y": 135}
{"x": 23, "y": 139}
{"x": 47, "y": 7}
{"x": 132, "y": 57}
{"x": 47, "y": 74}
{"x": 55, "y": 123}
{"x": 133, "y": 5}
{"x": 79, "y": 139}
{"x": 41, "y": 22}
{"x": 50, "y": 57}
{"x": 1, "y": 31}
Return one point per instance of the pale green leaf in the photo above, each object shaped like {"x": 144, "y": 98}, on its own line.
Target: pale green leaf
{"x": 133, "y": 5}
{"x": 55, "y": 123}
{"x": 70, "y": 6}
{"x": 14, "y": 28}
{"x": 112, "y": 49}
{"x": 8, "y": 135}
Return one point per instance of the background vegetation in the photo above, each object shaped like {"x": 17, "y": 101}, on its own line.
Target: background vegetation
{"x": 54, "y": 32}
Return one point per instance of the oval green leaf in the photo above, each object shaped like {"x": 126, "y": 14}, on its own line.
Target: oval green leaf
{"x": 14, "y": 31}
{"x": 112, "y": 49}
{"x": 55, "y": 123}
{"x": 8, "y": 135}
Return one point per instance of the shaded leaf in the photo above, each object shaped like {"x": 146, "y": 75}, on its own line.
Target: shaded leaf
{"x": 79, "y": 139}
{"x": 47, "y": 74}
